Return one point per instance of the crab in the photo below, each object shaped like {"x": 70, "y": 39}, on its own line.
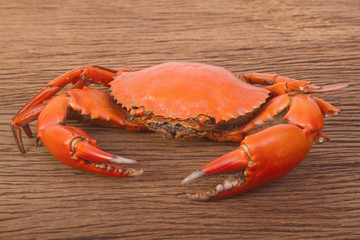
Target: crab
{"x": 275, "y": 126}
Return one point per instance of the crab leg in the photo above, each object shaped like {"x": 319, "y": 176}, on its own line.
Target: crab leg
{"x": 265, "y": 78}
{"x": 283, "y": 109}
{"x": 80, "y": 77}
{"x": 326, "y": 108}
{"x": 73, "y": 146}
{"x": 262, "y": 158}
{"x": 280, "y": 84}
{"x": 22, "y": 119}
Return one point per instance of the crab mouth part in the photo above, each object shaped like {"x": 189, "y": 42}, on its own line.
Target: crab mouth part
{"x": 231, "y": 182}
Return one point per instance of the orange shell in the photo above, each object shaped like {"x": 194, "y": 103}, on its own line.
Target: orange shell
{"x": 183, "y": 90}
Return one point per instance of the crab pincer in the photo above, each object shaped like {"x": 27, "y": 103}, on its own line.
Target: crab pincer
{"x": 261, "y": 158}
{"x": 77, "y": 149}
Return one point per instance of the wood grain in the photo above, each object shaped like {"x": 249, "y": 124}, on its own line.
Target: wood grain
{"x": 41, "y": 198}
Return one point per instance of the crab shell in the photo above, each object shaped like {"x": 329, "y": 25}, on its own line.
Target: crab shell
{"x": 181, "y": 90}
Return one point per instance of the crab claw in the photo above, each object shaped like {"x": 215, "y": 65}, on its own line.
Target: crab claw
{"x": 232, "y": 161}
{"x": 261, "y": 158}
{"x": 75, "y": 148}
{"x": 236, "y": 160}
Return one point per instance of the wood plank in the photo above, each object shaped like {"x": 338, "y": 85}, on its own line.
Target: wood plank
{"x": 41, "y": 198}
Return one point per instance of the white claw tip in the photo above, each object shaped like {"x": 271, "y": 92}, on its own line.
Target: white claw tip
{"x": 133, "y": 172}
{"x": 192, "y": 177}
{"x": 120, "y": 160}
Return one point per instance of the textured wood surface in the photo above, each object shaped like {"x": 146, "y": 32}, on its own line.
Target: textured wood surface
{"x": 41, "y": 198}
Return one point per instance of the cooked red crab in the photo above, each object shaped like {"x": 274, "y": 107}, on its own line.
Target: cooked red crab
{"x": 275, "y": 126}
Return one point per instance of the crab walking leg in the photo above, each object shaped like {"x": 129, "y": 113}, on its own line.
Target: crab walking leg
{"x": 80, "y": 77}
{"x": 326, "y": 108}
{"x": 268, "y": 115}
{"x": 234, "y": 135}
{"x": 262, "y": 158}
{"x": 22, "y": 119}
{"x": 280, "y": 84}
{"x": 284, "y": 108}
{"x": 73, "y": 146}
{"x": 266, "y": 78}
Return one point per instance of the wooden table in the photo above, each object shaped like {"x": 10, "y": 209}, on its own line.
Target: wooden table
{"x": 41, "y": 198}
